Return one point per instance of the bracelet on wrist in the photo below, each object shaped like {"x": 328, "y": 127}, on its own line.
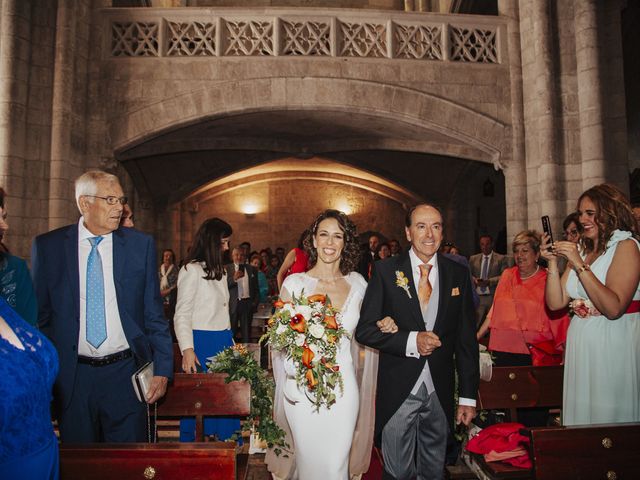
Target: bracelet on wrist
{"x": 582, "y": 268}
{"x": 552, "y": 272}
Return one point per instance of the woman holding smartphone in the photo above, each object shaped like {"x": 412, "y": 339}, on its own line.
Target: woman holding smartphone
{"x": 602, "y": 360}
{"x": 201, "y": 319}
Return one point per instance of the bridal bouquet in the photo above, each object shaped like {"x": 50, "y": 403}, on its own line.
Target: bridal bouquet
{"x": 308, "y": 331}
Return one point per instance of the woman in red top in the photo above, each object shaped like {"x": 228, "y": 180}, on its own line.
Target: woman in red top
{"x": 296, "y": 261}
{"x": 519, "y": 315}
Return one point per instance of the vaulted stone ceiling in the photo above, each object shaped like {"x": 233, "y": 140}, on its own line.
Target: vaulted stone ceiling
{"x": 169, "y": 167}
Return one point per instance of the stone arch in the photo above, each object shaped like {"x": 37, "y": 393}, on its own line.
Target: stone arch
{"x": 466, "y": 132}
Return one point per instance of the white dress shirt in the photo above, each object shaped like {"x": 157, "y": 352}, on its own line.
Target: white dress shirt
{"x": 429, "y": 320}
{"x": 202, "y": 304}
{"x": 116, "y": 340}
{"x": 243, "y": 282}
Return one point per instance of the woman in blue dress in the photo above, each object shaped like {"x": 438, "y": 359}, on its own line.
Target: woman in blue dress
{"x": 28, "y": 368}
{"x": 201, "y": 318}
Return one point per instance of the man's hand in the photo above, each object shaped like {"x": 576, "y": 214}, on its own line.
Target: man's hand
{"x": 387, "y": 325}
{"x": 238, "y": 274}
{"x": 157, "y": 389}
{"x": 465, "y": 414}
{"x": 427, "y": 342}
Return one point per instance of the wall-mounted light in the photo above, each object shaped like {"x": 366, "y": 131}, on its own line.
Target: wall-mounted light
{"x": 343, "y": 205}
{"x": 250, "y": 210}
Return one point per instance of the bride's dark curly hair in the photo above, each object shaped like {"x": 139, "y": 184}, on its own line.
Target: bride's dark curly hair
{"x": 350, "y": 255}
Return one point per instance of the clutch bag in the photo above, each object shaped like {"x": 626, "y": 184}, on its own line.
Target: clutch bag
{"x": 142, "y": 381}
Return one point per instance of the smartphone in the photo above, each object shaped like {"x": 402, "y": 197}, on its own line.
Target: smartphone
{"x": 546, "y": 228}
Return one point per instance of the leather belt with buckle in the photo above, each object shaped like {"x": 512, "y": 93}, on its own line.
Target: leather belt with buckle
{"x": 106, "y": 360}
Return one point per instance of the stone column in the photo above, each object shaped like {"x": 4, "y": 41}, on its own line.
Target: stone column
{"x": 603, "y": 140}
{"x": 544, "y": 164}
{"x": 592, "y": 135}
{"x": 515, "y": 172}
{"x": 15, "y": 46}
{"x": 61, "y": 192}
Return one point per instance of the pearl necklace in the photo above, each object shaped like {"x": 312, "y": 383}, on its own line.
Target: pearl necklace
{"x": 529, "y": 276}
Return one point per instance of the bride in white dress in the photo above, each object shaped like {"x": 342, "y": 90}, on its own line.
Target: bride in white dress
{"x": 323, "y": 440}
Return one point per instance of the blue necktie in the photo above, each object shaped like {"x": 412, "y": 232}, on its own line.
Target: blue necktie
{"x": 96, "y": 318}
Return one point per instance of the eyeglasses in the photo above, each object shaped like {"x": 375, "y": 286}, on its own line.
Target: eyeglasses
{"x": 111, "y": 200}
{"x": 571, "y": 233}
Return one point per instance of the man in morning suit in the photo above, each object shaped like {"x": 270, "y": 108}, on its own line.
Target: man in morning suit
{"x": 99, "y": 303}
{"x": 429, "y": 298}
{"x": 242, "y": 279}
{"x": 486, "y": 268}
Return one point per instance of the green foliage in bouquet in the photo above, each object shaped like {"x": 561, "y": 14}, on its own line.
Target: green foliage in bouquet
{"x": 239, "y": 364}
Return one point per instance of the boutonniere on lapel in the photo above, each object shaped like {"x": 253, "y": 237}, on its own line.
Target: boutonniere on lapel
{"x": 403, "y": 282}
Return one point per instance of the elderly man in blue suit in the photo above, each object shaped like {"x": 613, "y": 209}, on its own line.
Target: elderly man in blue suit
{"x": 99, "y": 303}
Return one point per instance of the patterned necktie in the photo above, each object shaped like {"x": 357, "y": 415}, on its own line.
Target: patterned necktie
{"x": 96, "y": 318}
{"x": 484, "y": 271}
{"x": 424, "y": 287}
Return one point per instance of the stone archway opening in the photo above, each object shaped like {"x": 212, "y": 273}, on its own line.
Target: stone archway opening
{"x": 175, "y": 169}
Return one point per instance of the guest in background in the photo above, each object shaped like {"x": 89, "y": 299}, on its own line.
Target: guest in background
{"x": 369, "y": 257}
{"x": 635, "y": 209}
{"x": 264, "y": 256}
{"x": 168, "y": 282}
{"x": 246, "y": 251}
{"x": 272, "y": 275}
{"x": 519, "y": 317}
{"x": 384, "y": 251}
{"x": 571, "y": 229}
{"x": 201, "y": 320}
{"x": 242, "y": 281}
{"x": 394, "y": 246}
{"x": 296, "y": 261}
{"x": 126, "y": 220}
{"x": 15, "y": 282}
{"x": 602, "y": 362}
{"x": 486, "y": 268}
{"x": 263, "y": 286}
{"x": 280, "y": 255}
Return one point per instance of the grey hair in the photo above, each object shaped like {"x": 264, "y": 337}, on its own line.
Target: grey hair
{"x": 87, "y": 183}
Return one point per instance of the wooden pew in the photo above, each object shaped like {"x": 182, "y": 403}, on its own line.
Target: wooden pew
{"x": 205, "y": 394}
{"x": 587, "y": 452}
{"x": 196, "y": 395}
{"x": 511, "y": 388}
{"x": 158, "y": 461}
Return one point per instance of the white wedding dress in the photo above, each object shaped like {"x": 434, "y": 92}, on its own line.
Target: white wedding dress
{"x": 322, "y": 440}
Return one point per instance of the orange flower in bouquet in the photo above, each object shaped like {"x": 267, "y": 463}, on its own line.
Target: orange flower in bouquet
{"x": 308, "y": 331}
